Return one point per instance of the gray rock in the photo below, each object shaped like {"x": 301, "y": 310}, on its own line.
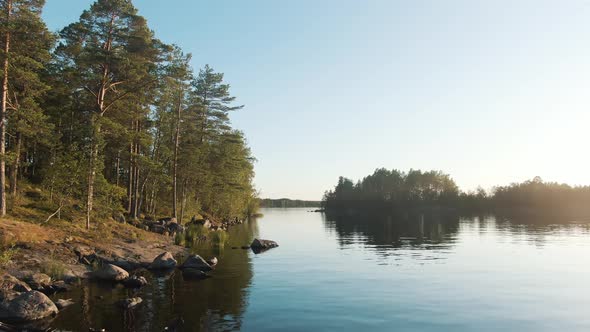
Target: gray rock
{"x": 28, "y": 306}
{"x": 62, "y": 303}
{"x": 110, "y": 272}
{"x": 130, "y": 303}
{"x": 157, "y": 229}
{"x": 164, "y": 261}
{"x": 263, "y": 244}
{"x": 8, "y": 282}
{"x": 196, "y": 262}
{"x": 37, "y": 281}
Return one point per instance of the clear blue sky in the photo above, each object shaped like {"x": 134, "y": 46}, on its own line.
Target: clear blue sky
{"x": 488, "y": 91}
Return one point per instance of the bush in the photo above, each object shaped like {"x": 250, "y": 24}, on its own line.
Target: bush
{"x": 6, "y": 256}
{"x": 53, "y": 268}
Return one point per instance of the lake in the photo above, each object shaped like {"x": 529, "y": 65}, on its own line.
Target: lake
{"x": 405, "y": 273}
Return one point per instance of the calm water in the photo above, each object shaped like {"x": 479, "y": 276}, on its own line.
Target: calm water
{"x": 374, "y": 274}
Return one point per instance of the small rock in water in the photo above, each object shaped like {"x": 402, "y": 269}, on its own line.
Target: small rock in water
{"x": 130, "y": 303}
{"x": 259, "y": 245}
{"x": 196, "y": 262}
{"x": 61, "y": 303}
{"x": 213, "y": 261}
{"x": 135, "y": 282}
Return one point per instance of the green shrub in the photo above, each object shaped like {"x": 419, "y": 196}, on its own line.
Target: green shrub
{"x": 6, "y": 256}
{"x": 53, "y": 268}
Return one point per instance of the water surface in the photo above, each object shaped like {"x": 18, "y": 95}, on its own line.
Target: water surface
{"x": 405, "y": 273}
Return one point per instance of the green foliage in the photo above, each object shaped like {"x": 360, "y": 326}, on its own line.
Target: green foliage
{"x": 288, "y": 203}
{"x": 219, "y": 238}
{"x": 6, "y": 256}
{"x": 54, "y": 268}
{"x": 113, "y": 117}
{"x": 394, "y": 188}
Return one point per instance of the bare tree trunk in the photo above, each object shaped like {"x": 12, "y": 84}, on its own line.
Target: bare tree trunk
{"x": 183, "y": 204}
{"x": 117, "y": 167}
{"x": 175, "y": 166}
{"x": 131, "y": 175}
{"x": 3, "y": 115}
{"x": 95, "y": 145}
{"x": 15, "y": 166}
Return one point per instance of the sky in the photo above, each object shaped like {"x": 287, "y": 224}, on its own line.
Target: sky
{"x": 491, "y": 92}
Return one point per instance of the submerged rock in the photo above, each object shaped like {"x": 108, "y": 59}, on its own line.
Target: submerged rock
{"x": 28, "y": 306}
{"x": 196, "y": 262}
{"x": 130, "y": 303}
{"x": 63, "y": 303}
{"x": 110, "y": 272}
{"x": 164, "y": 261}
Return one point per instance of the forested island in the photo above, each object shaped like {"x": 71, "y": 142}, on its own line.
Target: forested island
{"x": 288, "y": 203}
{"x": 394, "y": 190}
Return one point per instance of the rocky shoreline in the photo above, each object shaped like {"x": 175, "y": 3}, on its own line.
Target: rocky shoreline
{"x": 25, "y": 289}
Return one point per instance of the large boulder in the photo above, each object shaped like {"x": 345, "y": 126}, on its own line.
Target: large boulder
{"x": 109, "y": 272}
{"x": 262, "y": 245}
{"x": 196, "y": 262}
{"x": 28, "y": 306}
{"x": 37, "y": 281}
{"x": 164, "y": 261}
{"x": 8, "y": 282}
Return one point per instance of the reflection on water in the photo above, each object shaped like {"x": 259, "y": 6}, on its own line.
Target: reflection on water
{"x": 386, "y": 234}
{"x": 379, "y": 273}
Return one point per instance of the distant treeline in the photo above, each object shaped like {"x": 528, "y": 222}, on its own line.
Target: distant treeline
{"x": 288, "y": 203}
{"x": 415, "y": 189}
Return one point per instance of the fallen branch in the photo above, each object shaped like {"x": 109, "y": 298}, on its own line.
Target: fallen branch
{"x": 54, "y": 213}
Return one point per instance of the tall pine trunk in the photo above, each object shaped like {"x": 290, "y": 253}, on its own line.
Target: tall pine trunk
{"x": 3, "y": 120}
{"x": 15, "y": 165}
{"x": 94, "y": 147}
{"x": 175, "y": 167}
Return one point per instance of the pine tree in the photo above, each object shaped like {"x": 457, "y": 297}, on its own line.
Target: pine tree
{"x": 114, "y": 54}
{"x": 26, "y": 44}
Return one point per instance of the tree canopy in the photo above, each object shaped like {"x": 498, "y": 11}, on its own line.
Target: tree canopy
{"x": 107, "y": 116}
